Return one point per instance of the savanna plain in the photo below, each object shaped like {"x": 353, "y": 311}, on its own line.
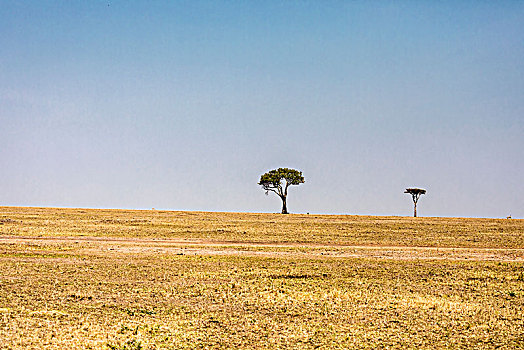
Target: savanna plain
{"x": 124, "y": 279}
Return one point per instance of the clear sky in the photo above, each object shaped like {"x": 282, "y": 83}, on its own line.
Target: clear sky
{"x": 184, "y": 104}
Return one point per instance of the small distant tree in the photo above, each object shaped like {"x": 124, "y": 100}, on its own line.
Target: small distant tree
{"x": 415, "y": 194}
{"x": 278, "y": 181}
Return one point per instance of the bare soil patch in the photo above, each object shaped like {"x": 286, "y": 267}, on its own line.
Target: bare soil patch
{"x": 93, "y": 245}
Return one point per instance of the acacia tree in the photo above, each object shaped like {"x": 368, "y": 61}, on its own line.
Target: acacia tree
{"x": 415, "y": 194}
{"x": 278, "y": 181}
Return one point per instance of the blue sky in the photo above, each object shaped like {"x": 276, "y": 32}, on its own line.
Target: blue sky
{"x": 184, "y": 104}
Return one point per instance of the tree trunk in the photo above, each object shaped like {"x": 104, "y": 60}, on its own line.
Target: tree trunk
{"x": 284, "y": 206}
{"x": 415, "y": 211}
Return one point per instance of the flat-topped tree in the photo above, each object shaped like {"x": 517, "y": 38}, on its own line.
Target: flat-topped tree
{"x": 279, "y": 180}
{"x": 415, "y": 194}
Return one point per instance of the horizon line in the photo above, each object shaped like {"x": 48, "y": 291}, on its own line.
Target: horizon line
{"x": 255, "y": 212}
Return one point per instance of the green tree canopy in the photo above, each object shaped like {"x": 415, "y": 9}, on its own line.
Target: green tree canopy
{"x": 278, "y": 181}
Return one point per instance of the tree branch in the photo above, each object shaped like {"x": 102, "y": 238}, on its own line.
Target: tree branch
{"x": 271, "y": 189}
{"x": 287, "y": 185}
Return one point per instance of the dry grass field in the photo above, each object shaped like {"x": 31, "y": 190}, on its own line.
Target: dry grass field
{"x": 122, "y": 279}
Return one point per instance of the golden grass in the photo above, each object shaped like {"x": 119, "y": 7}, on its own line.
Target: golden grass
{"x": 332, "y": 229}
{"x": 128, "y": 294}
